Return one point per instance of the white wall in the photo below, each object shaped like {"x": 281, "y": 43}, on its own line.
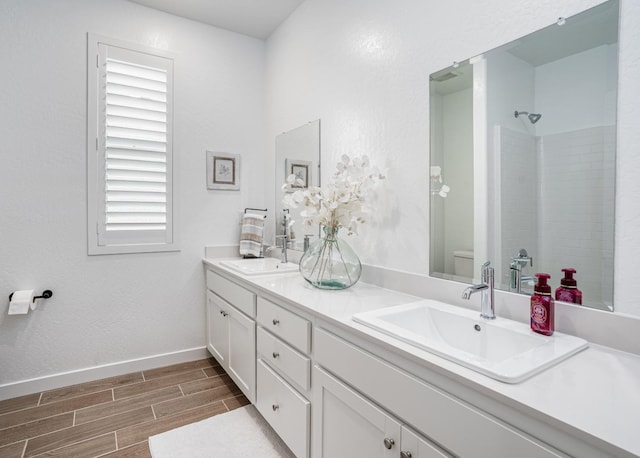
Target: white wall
{"x": 110, "y": 309}
{"x": 362, "y": 67}
{"x": 452, "y": 147}
{"x": 436, "y": 224}
{"x": 518, "y": 202}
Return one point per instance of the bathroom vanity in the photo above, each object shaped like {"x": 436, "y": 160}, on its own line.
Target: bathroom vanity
{"x": 331, "y": 387}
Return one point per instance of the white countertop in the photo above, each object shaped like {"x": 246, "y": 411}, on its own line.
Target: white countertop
{"x": 595, "y": 393}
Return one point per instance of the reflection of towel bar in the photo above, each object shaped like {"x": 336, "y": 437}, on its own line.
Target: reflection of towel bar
{"x": 256, "y": 209}
{"x": 46, "y": 294}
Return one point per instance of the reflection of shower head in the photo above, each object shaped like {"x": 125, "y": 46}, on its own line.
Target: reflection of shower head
{"x": 533, "y": 117}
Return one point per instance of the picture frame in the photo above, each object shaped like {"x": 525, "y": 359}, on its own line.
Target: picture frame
{"x": 301, "y": 169}
{"x": 223, "y": 171}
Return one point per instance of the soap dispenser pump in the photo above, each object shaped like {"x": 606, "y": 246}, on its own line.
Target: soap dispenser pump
{"x": 542, "y": 306}
{"x": 568, "y": 290}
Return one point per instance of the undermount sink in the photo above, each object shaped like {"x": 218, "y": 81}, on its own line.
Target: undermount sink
{"x": 260, "y": 266}
{"x": 502, "y": 349}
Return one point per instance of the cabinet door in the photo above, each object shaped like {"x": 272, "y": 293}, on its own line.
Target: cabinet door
{"x": 217, "y": 328}
{"x": 347, "y": 424}
{"x": 415, "y": 446}
{"x": 242, "y": 352}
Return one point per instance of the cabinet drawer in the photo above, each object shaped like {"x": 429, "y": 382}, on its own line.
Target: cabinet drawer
{"x": 236, "y": 295}
{"x": 285, "y": 409}
{"x": 282, "y": 357}
{"x": 437, "y": 414}
{"x": 286, "y": 325}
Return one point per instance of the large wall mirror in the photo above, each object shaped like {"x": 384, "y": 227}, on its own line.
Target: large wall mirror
{"x": 523, "y": 142}
{"x": 298, "y": 153}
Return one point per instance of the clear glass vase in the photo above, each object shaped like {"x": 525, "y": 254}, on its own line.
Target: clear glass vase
{"x": 330, "y": 263}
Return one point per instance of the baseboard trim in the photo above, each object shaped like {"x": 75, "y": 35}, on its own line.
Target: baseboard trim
{"x": 51, "y": 382}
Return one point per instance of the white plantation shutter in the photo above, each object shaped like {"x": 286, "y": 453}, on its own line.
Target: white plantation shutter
{"x": 133, "y": 152}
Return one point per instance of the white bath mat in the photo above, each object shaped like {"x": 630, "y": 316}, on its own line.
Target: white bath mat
{"x": 239, "y": 433}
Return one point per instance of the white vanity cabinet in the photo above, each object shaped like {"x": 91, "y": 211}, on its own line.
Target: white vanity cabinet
{"x": 347, "y": 424}
{"x": 328, "y": 389}
{"x": 284, "y": 374}
{"x": 450, "y": 422}
{"x": 231, "y": 331}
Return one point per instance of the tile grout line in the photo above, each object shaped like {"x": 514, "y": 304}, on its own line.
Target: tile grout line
{"x": 225, "y": 406}
{"x": 26, "y": 441}
{"x": 57, "y": 449}
{"x": 192, "y": 408}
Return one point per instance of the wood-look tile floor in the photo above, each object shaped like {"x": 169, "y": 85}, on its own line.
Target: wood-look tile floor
{"x": 114, "y": 417}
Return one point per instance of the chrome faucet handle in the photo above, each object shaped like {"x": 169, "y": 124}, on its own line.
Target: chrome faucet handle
{"x": 486, "y": 272}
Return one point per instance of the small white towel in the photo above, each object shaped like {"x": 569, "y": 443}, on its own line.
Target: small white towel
{"x": 251, "y": 235}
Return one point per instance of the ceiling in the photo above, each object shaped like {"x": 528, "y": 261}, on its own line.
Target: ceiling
{"x": 256, "y": 18}
{"x": 590, "y": 29}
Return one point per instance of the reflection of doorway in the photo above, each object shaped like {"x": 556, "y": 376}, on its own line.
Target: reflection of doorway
{"x": 452, "y": 217}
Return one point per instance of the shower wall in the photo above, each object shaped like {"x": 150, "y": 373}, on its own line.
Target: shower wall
{"x": 557, "y": 202}
{"x": 576, "y": 227}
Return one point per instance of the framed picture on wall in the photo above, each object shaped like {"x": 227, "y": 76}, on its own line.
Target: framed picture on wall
{"x": 223, "y": 171}
{"x": 302, "y": 171}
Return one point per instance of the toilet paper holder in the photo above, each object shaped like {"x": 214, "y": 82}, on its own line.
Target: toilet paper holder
{"x": 46, "y": 294}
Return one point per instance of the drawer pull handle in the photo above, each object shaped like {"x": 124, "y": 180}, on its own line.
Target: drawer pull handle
{"x": 405, "y": 455}
{"x": 275, "y": 407}
{"x": 275, "y": 322}
{"x": 388, "y": 443}
{"x": 223, "y": 313}
{"x": 276, "y": 355}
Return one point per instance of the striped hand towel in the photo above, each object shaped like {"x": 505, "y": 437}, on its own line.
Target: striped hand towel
{"x": 251, "y": 235}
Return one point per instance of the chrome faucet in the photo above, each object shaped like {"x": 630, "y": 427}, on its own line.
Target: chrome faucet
{"x": 283, "y": 245}
{"x": 487, "y": 305}
{"x": 285, "y": 235}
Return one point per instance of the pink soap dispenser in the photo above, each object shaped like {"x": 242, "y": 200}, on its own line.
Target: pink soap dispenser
{"x": 542, "y": 306}
{"x": 568, "y": 290}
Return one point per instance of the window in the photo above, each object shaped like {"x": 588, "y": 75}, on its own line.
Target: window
{"x": 129, "y": 148}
